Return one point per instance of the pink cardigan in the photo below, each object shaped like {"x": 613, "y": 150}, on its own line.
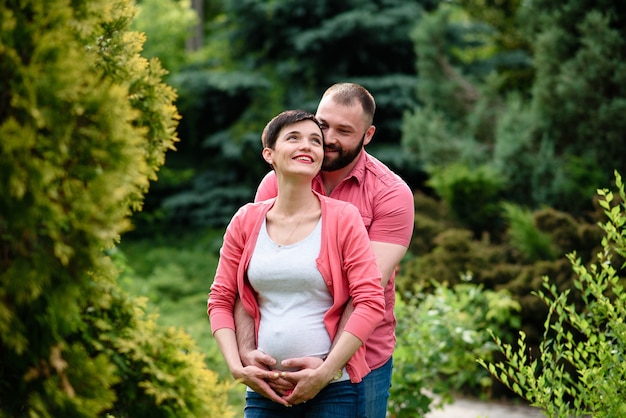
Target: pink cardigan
{"x": 386, "y": 205}
{"x": 346, "y": 262}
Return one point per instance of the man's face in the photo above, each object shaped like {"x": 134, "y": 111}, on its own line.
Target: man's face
{"x": 345, "y": 132}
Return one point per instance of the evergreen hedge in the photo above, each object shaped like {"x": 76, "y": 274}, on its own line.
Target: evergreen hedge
{"x": 85, "y": 122}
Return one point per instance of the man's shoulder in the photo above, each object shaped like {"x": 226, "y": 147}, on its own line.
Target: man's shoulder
{"x": 377, "y": 171}
{"x": 334, "y": 202}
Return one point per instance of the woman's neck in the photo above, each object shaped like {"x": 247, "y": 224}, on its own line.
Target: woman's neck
{"x": 293, "y": 198}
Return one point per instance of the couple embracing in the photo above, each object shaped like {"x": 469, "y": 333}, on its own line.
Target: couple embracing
{"x": 302, "y": 301}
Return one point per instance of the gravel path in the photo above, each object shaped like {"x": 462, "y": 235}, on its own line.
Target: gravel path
{"x": 469, "y": 408}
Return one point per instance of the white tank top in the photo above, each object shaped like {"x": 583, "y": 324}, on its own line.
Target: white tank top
{"x": 292, "y": 296}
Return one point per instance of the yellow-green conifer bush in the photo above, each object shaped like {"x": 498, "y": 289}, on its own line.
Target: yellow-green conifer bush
{"x": 85, "y": 122}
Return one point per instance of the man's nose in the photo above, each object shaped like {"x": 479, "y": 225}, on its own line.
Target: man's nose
{"x": 330, "y": 136}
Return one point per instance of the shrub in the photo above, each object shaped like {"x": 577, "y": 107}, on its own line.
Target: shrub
{"x": 472, "y": 194}
{"x": 533, "y": 244}
{"x": 440, "y": 336}
{"x": 159, "y": 371}
{"x": 454, "y": 252}
{"x": 579, "y": 369}
{"x": 85, "y": 122}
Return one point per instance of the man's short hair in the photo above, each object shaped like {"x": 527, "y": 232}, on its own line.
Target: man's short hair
{"x": 347, "y": 93}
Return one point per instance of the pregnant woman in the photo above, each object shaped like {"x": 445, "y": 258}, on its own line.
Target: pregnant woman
{"x": 295, "y": 261}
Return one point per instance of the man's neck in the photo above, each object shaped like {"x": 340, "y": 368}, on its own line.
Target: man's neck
{"x": 331, "y": 179}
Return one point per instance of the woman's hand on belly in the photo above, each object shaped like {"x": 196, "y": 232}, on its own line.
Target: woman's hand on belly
{"x": 308, "y": 383}
{"x": 300, "y": 363}
{"x": 285, "y": 387}
{"x": 258, "y": 380}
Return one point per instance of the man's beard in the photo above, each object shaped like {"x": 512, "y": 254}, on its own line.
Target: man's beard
{"x": 343, "y": 157}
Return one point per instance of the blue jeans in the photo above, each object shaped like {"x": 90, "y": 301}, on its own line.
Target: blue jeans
{"x": 337, "y": 400}
{"x": 376, "y": 391}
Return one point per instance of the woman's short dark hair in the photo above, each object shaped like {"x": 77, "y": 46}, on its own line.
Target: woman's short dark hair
{"x": 286, "y": 118}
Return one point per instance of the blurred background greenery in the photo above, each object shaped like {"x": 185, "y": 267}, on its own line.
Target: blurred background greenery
{"x": 503, "y": 116}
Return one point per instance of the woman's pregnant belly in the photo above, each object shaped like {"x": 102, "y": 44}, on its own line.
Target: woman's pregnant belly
{"x": 294, "y": 335}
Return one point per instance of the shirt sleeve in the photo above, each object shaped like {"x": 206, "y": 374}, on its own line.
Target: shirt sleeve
{"x": 394, "y": 215}
{"x": 268, "y": 187}
{"x": 224, "y": 288}
{"x": 363, "y": 276}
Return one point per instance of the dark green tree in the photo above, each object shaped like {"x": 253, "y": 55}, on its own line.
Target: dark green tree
{"x": 579, "y": 93}
{"x": 551, "y": 139}
{"x": 310, "y": 45}
{"x": 507, "y": 38}
{"x": 263, "y": 57}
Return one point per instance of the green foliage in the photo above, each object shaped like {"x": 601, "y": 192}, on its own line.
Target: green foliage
{"x": 547, "y": 122}
{"x": 579, "y": 370}
{"x": 85, "y": 122}
{"x": 525, "y": 236}
{"x": 160, "y": 372}
{"x": 440, "y": 85}
{"x": 263, "y": 57}
{"x": 167, "y": 25}
{"x": 514, "y": 153}
{"x": 580, "y": 57}
{"x": 224, "y": 155}
{"x": 513, "y": 58}
{"x": 536, "y": 172}
{"x": 454, "y": 252}
{"x": 313, "y": 27}
{"x": 472, "y": 194}
{"x": 580, "y": 63}
{"x": 174, "y": 273}
{"x": 446, "y": 252}
{"x": 211, "y": 200}
{"x": 427, "y": 133}
{"x": 440, "y": 336}
{"x": 431, "y": 219}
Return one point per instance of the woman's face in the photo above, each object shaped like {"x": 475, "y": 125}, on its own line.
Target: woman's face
{"x": 299, "y": 149}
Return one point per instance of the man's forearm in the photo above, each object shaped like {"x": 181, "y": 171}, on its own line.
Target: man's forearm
{"x": 342, "y": 322}
{"x": 244, "y": 324}
{"x": 225, "y": 338}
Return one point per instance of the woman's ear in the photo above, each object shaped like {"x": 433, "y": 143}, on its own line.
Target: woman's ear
{"x": 267, "y": 155}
